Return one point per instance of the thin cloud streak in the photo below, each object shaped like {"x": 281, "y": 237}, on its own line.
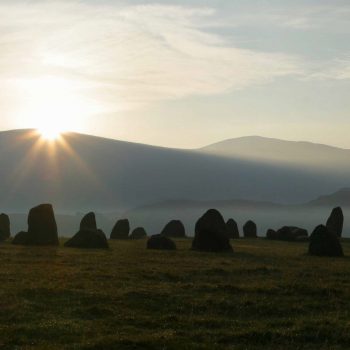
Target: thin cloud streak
{"x": 129, "y": 56}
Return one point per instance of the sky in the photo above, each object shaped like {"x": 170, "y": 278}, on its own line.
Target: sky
{"x": 178, "y": 73}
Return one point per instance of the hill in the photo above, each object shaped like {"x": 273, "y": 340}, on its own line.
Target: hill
{"x": 289, "y": 153}
{"x": 339, "y": 198}
{"x": 83, "y": 172}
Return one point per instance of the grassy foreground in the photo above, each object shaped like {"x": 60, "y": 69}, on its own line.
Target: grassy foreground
{"x": 267, "y": 295}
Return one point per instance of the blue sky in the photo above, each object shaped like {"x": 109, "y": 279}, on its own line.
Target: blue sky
{"x": 178, "y": 74}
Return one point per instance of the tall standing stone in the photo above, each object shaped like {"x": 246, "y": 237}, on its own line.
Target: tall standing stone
{"x": 211, "y": 234}
{"x": 5, "y": 232}
{"x": 324, "y": 242}
{"x": 174, "y": 229}
{"x": 121, "y": 229}
{"x": 42, "y": 228}
{"x": 335, "y": 222}
{"x": 232, "y": 229}
{"x": 250, "y": 229}
{"x": 88, "y": 222}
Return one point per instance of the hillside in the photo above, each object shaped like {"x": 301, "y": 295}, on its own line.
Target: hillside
{"x": 339, "y": 198}
{"x": 83, "y": 172}
{"x": 309, "y": 155}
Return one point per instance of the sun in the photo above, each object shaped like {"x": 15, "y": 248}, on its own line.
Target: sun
{"x": 50, "y": 133}
{"x": 54, "y": 106}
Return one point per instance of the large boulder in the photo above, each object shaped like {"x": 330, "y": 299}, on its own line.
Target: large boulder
{"x": 21, "y": 238}
{"x": 42, "y": 227}
{"x": 336, "y": 221}
{"x": 88, "y": 235}
{"x": 138, "y": 233}
{"x": 232, "y": 229}
{"x": 291, "y": 233}
{"x": 160, "y": 242}
{"x": 174, "y": 229}
{"x": 90, "y": 239}
{"x": 121, "y": 229}
{"x": 324, "y": 242}
{"x": 250, "y": 229}
{"x": 5, "y": 232}
{"x": 211, "y": 234}
{"x": 88, "y": 222}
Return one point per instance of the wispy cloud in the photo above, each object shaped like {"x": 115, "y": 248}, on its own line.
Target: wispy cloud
{"x": 123, "y": 56}
{"x": 336, "y": 69}
{"x": 332, "y": 16}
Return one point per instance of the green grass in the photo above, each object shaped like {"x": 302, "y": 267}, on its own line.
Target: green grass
{"x": 266, "y": 295}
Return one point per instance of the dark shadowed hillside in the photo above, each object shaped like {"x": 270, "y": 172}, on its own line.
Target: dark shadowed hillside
{"x": 83, "y": 172}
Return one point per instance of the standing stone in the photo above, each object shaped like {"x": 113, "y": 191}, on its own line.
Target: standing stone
{"x": 89, "y": 239}
{"x": 160, "y": 242}
{"x": 336, "y": 221}
{"x": 88, "y": 236}
{"x": 232, "y": 229}
{"x": 88, "y": 222}
{"x": 250, "y": 229}
{"x": 138, "y": 233}
{"x": 4, "y": 227}
{"x": 174, "y": 229}
{"x": 42, "y": 227}
{"x": 271, "y": 234}
{"x": 121, "y": 230}
{"x": 324, "y": 242}
{"x": 211, "y": 234}
{"x": 20, "y": 238}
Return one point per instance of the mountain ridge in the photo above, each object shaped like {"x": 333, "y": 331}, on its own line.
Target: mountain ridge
{"x": 83, "y": 172}
{"x": 233, "y": 139}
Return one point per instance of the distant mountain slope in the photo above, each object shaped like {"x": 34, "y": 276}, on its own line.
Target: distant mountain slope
{"x": 284, "y": 152}
{"x": 85, "y": 172}
{"x": 339, "y": 198}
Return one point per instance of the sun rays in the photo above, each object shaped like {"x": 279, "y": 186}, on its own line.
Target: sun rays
{"x": 50, "y": 153}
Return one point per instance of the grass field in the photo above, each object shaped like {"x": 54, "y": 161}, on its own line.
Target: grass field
{"x": 266, "y": 295}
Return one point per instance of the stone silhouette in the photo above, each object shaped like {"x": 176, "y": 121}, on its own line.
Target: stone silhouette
{"x": 138, "y": 233}
{"x": 90, "y": 239}
{"x": 160, "y": 242}
{"x": 232, "y": 229}
{"x": 174, "y": 229}
{"x": 20, "y": 238}
{"x": 288, "y": 233}
{"x": 250, "y": 229}
{"x": 88, "y": 222}
{"x": 271, "y": 234}
{"x": 88, "y": 235}
{"x": 42, "y": 227}
{"x": 336, "y": 221}
{"x": 121, "y": 229}
{"x": 5, "y": 232}
{"x": 211, "y": 234}
{"x": 324, "y": 242}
